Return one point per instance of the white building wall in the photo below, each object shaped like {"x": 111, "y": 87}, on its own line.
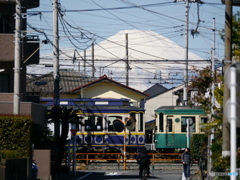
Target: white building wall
{"x": 165, "y": 99}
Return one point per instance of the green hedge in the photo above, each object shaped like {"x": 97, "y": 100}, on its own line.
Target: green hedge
{"x": 15, "y": 136}
{"x": 198, "y": 145}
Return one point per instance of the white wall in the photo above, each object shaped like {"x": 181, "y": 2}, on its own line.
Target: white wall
{"x": 165, "y": 99}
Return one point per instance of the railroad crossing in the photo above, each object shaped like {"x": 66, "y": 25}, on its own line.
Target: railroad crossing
{"x": 130, "y": 175}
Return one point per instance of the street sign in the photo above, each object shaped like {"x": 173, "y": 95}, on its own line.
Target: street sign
{"x": 74, "y": 131}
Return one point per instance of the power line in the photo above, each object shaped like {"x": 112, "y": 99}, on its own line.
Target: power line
{"x": 109, "y": 9}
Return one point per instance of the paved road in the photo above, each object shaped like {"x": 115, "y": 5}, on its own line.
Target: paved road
{"x": 126, "y": 175}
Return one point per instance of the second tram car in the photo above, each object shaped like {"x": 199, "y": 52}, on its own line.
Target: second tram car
{"x": 171, "y": 126}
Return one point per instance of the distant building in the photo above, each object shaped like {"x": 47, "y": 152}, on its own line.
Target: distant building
{"x": 164, "y": 97}
{"x": 108, "y": 88}
{"x": 42, "y": 86}
{"x": 160, "y": 97}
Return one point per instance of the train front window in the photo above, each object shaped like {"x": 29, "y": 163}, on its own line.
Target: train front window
{"x": 161, "y": 128}
{"x": 192, "y": 124}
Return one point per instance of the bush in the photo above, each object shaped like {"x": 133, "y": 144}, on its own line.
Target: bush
{"x": 198, "y": 144}
{"x": 15, "y": 136}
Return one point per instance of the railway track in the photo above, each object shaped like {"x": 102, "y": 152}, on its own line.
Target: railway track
{"x": 159, "y": 161}
{"x": 130, "y": 166}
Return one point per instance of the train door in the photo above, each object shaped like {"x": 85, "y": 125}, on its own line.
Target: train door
{"x": 169, "y": 133}
{"x": 150, "y": 128}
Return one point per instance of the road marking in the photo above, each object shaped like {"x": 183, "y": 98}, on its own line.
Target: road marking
{"x": 85, "y": 176}
{"x": 112, "y": 174}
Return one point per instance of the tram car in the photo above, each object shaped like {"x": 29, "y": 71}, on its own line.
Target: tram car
{"x": 109, "y": 125}
{"x": 171, "y": 126}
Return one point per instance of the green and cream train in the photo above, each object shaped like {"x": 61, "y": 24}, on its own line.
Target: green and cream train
{"x": 171, "y": 126}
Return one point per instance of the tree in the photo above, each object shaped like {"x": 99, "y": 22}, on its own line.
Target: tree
{"x": 64, "y": 116}
{"x": 235, "y": 35}
{"x": 41, "y": 137}
{"x": 202, "y": 84}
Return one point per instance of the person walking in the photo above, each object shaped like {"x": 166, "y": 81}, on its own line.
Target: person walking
{"x": 187, "y": 162}
{"x": 143, "y": 160}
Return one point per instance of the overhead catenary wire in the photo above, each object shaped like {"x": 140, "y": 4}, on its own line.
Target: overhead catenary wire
{"x": 104, "y": 37}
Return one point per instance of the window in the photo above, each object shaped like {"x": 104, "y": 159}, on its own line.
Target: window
{"x": 133, "y": 115}
{"x": 203, "y": 120}
{"x": 110, "y": 122}
{"x": 94, "y": 123}
{"x": 140, "y": 122}
{"x": 192, "y": 124}
{"x": 132, "y": 122}
{"x": 161, "y": 128}
{"x": 4, "y": 83}
{"x": 169, "y": 125}
{"x": 5, "y": 24}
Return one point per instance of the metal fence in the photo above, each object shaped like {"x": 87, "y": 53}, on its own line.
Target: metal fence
{"x": 15, "y": 169}
{"x": 120, "y": 159}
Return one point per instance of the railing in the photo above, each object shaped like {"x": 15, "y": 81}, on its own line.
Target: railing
{"x": 130, "y": 158}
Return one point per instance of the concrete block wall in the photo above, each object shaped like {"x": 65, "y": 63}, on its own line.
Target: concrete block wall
{"x": 36, "y": 111}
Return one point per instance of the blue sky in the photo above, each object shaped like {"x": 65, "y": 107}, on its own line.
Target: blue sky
{"x": 164, "y": 17}
{"x": 86, "y": 21}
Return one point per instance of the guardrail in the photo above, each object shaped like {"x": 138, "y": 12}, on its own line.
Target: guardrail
{"x": 119, "y": 157}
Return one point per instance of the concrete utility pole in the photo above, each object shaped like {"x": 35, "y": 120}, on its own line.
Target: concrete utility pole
{"x": 233, "y": 118}
{"x": 17, "y": 58}
{"x": 84, "y": 64}
{"x": 127, "y": 63}
{"x": 56, "y": 74}
{"x": 211, "y": 136}
{"x": 213, "y": 64}
{"x": 227, "y": 62}
{"x": 185, "y": 100}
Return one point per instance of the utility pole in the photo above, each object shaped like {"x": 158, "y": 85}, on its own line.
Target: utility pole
{"x": 213, "y": 64}
{"x": 84, "y": 65}
{"x": 211, "y": 136}
{"x": 17, "y": 58}
{"x": 227, "y": 62}
{"x": 56, "y": 74}
{"x": 185, "y": 100}
{"x": 127, "y": 63}
{"x": 93, "y": 68}
{"x": 160, "y": 77}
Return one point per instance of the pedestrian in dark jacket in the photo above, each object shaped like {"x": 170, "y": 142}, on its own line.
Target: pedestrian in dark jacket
{"x": 143, "y": 160}
{"x": 187, "y": 162}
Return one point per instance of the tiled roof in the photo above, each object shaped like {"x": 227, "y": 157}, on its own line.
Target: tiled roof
{"x": 105, "y": 78}
{"x": 155, "y": 89}
{"x": 44, "y": 84}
